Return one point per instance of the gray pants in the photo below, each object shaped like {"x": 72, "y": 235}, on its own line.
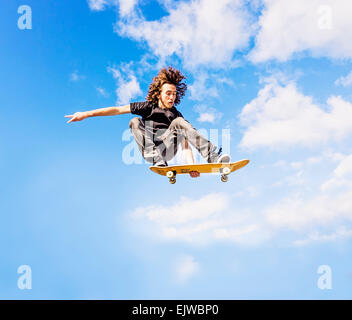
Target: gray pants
{"x": 164, "y": 144}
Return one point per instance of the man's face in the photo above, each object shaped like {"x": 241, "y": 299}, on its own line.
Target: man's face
{"x": 167, "y": 96}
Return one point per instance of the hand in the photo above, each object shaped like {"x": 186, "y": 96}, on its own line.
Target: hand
{"x": 194, "y": 174}
{"x": 78, "y": 116}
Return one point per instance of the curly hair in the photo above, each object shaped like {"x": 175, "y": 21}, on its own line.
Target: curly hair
{"x": 170, "y": 76}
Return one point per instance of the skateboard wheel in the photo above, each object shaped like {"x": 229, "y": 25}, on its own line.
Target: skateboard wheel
{"x": 226, "y": 170}
{"x": 170, "y": 174}
{"x": 224, "y": 178}
{"x": 172, "y": 180}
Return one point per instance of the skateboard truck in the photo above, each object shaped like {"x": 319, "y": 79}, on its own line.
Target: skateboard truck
{"x": 172, "y": 176}
{"x": 224, "y": 174}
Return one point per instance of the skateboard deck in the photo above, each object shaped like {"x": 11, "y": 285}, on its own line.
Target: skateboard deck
{"x": 224, "y": 169}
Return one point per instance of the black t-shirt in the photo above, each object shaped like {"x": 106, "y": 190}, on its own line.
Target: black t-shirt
{"x": 154, "y": 117}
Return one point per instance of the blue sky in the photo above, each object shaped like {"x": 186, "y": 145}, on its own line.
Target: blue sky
{"x": 90, "y": 219}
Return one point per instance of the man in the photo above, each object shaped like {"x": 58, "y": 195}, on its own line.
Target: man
{"x": 161, "y": 127}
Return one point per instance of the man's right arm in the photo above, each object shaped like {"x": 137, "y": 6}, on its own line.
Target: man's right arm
{"x": 109, "y": 111}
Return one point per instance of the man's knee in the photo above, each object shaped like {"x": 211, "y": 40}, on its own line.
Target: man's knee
{"x": 180, "y": 123}
{"x": 134, "y": 123}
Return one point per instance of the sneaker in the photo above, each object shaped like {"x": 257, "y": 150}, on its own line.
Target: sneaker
{"x": 225, "y": 158}
{"x": 217, "y": 157}
{"x": 160, "y": 163}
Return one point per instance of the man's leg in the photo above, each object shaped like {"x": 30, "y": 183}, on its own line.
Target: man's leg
{"x": 182, "y": 128}
{"x": 144, "y": 141}
{"x": 169, "y": 151}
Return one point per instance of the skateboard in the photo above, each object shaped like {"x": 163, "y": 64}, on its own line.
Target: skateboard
{"x": 224, "y": 169}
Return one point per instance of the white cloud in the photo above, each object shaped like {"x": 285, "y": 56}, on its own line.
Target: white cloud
{"x": 200, "y": 89}
{"x": 207, "y": 32}
{"x": 207, "y": 85}
{"x": 250, "y": 191}
{"x": 201, "y": 32}
{"x": 316, "y": 26}
{"x": 206, "y": 220}
{"x": 227, "y": 81}
{"x": 281, "y": 116}
{"x": 128, "y": 86}
{"x": 296, "y": 164}
{"x": 244, "y": 235}
{"x": 75, "y": 76}
{"x": 344, "y": 81}
{"x": 98, "y": 5}
{"x": 206, "y": 117}
{"x": 314, "y": 237}
{"x": 344, "y": 168}
{"x": 297, "y": 213}
{"x": 186, "y": 210}
{"x": 314, "y": 160}
{"x": 297, "y": 218}
{"x": 207, "y": 114}
{"x": 342, "y": 175}
{"x": 186, "y": 268}
{"x": 126, "y": 7}
{"x": 102, "y": 92}
{"x": 293, "y": 180}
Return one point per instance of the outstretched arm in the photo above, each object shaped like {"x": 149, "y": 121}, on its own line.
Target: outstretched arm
{"x": 109, "y": 111}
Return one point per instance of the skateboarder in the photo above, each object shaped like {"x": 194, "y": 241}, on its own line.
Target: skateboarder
{"x": 161, "y": 127}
